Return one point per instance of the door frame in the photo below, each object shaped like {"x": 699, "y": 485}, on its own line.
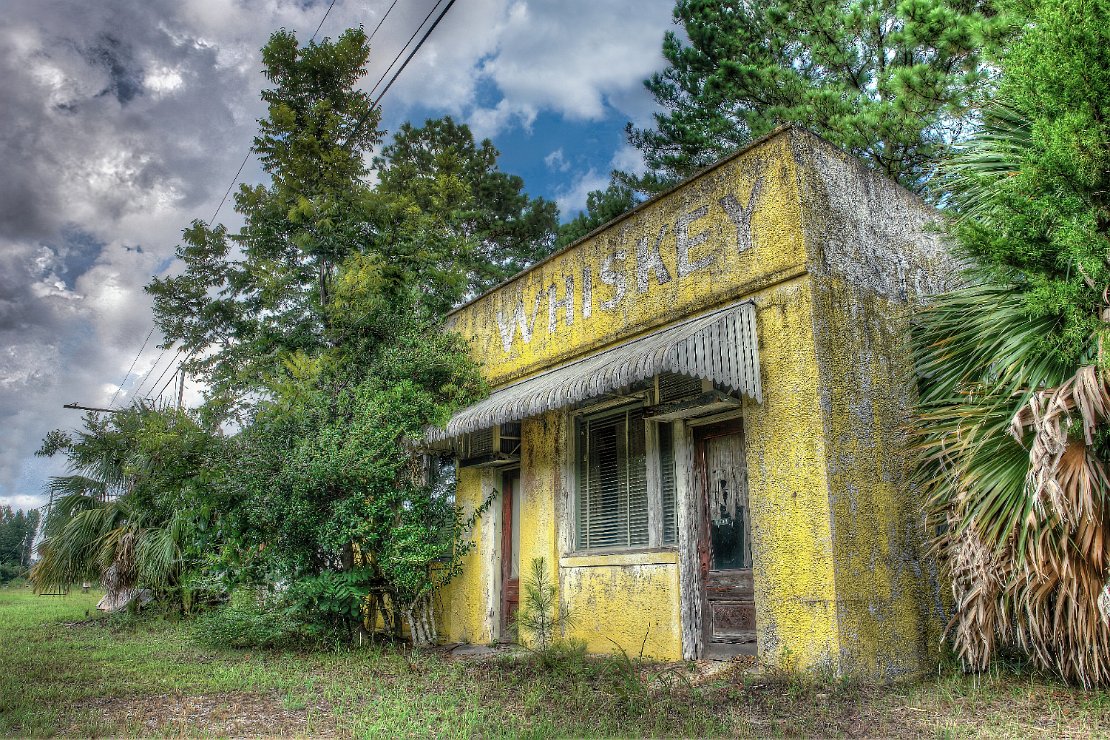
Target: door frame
{"x": 700, "y": 434}
{"x": 510, "y": 587}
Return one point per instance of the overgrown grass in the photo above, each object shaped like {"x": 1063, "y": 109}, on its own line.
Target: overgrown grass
{"x": 64, "y": 673}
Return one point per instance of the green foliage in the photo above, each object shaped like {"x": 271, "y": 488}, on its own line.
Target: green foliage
{"x": 1013, "y": 393}
{"x": 250, "y": 620}
{"x": 323, "y": 337}
{"x": 541, "y": 617}
{"x": 314, "y": 214}
{"x": 138, "y": 501}
{"x": 17, "y": 534}
{"x": 488, "y": 227}
{"x": 889, "y": 80}
{"x": 334, "y": 493}
{"x": 602, "y": 206}
{"x": 1037, "y": 184}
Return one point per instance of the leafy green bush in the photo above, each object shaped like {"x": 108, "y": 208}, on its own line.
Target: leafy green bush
{"x": 10, "y": 572}
{"x": 250, "y": 620}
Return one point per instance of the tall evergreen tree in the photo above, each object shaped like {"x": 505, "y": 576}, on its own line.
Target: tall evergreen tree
{"x": 888, "y": 80}
{"x": 237, "y": 316}
{"x": 326, "y": 332}
{"x": 495, "y": 227}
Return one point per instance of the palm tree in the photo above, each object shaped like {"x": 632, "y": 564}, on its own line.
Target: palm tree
{"x": 1012, "y": 437}
{"x": 103, "y": 524}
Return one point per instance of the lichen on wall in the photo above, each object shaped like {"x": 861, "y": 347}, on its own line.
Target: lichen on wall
{"x": 795, "y": 591}
{"x": 877, "y": 254}
{"x": 835, "y": 259}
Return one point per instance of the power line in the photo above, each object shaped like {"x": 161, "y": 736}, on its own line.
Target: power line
{"x": 125, "y": 377}
{"x": 380, "y": 22}
{"x": 138, "y": 389}
{"x": 322, "y": 22}
{"x": 165, "y": 370}
{"x": 171, "y": 378}
{"x": 234, "y": 180}
{"x": 378, "y": 100}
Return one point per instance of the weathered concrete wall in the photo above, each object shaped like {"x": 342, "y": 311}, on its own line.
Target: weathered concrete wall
{"x": 834, "y": 258}
{"x": 628, "y": 600}
{"x": 876, "y": 254}
{"x": 792, "y": 546}
{"x": 726, "y": 234}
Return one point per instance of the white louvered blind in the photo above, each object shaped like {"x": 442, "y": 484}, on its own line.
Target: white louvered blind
{"x": 612, "y": 481}
{"x": 665, "y": 437}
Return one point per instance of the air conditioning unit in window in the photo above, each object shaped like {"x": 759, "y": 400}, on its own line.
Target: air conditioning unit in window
{"x": 497, "y": 446}
{"x": 682, "y": 397}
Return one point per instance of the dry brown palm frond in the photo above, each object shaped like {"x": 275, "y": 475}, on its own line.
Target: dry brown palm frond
{"x": 1049, "y": 414}
{"x": 978, "y": 577}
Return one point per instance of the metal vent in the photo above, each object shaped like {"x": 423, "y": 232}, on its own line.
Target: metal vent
{"x": 673, "y": 387}
{"x": 510, "y": 438}
{"x": 479, "y": 444}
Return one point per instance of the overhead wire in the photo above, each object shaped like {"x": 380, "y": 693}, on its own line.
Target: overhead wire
{"x": 172, "y": 377}
{"x": 164, "y": 371}
{"x": 362, "y": 119}
{"x": 321, "y": 24}
{"x": 150, "y": 373}
{"x": 119, "y": 388}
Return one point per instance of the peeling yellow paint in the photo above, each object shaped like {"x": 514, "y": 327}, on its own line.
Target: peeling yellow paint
{"x": 533, "y": 318}
{"x": 834, "y": 259}
{"x": 630, "y": 607}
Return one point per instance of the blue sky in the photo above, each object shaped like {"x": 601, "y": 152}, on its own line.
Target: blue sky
{"x": 123, "y": 120}
{"x": 559, "y": 158}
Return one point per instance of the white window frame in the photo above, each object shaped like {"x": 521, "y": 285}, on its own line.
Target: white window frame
{"x": 653, "y": 479}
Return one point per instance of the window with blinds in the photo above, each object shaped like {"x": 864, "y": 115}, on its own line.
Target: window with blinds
{"x": 613, "y": 495}
{"x": 665, "y": 437}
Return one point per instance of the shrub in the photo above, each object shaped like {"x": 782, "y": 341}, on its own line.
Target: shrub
{"x": 250, "y": 620}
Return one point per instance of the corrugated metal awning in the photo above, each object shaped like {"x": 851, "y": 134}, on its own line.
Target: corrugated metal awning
{"x": 721, "y": 346}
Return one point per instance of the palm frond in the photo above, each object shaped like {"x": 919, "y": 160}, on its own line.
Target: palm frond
{"x": 976, "y": 167}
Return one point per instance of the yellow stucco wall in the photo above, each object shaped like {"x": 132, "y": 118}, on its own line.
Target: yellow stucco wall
{"x": 840, "y": 582}
{"x": 466, "y": 607}
{"x": 792, "y": 545}
{"x": 721, "y": 262}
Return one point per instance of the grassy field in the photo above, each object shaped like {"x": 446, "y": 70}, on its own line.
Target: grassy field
{"x": 62, "y": 673}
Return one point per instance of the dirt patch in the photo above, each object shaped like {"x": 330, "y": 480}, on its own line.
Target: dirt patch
{"x": 224, "y": 715}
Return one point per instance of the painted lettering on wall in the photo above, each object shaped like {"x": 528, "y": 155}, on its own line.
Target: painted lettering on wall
{"x": 642, "y": 267}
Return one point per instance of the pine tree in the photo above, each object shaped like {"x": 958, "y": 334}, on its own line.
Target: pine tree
{"x": 888, "y": 80}
{"x": 602, "y": 206}
{"x": 238, "y": 316}
{"x": 497, "y": 229}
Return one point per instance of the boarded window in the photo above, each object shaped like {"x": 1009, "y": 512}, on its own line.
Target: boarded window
{"x": 613, "y": 495}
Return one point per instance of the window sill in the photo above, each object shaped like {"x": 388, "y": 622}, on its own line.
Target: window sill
{"x": 587, "y": 559}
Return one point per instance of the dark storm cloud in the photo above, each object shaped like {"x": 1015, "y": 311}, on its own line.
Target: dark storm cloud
{"x": 123, "y": 120}
{"x": 108, "y": 135}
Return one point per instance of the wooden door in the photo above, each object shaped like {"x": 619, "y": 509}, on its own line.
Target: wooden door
{"x": 510, "y": 549}
{"x": 724, "y": 543}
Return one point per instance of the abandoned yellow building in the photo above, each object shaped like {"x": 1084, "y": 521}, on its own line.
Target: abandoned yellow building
{"x": 698, "y": 420}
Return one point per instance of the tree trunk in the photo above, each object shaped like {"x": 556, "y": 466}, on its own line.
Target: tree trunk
{"x": 422, "y": 624}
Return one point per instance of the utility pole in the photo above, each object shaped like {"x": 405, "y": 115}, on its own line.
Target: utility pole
{"x": 181, "y": 389}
